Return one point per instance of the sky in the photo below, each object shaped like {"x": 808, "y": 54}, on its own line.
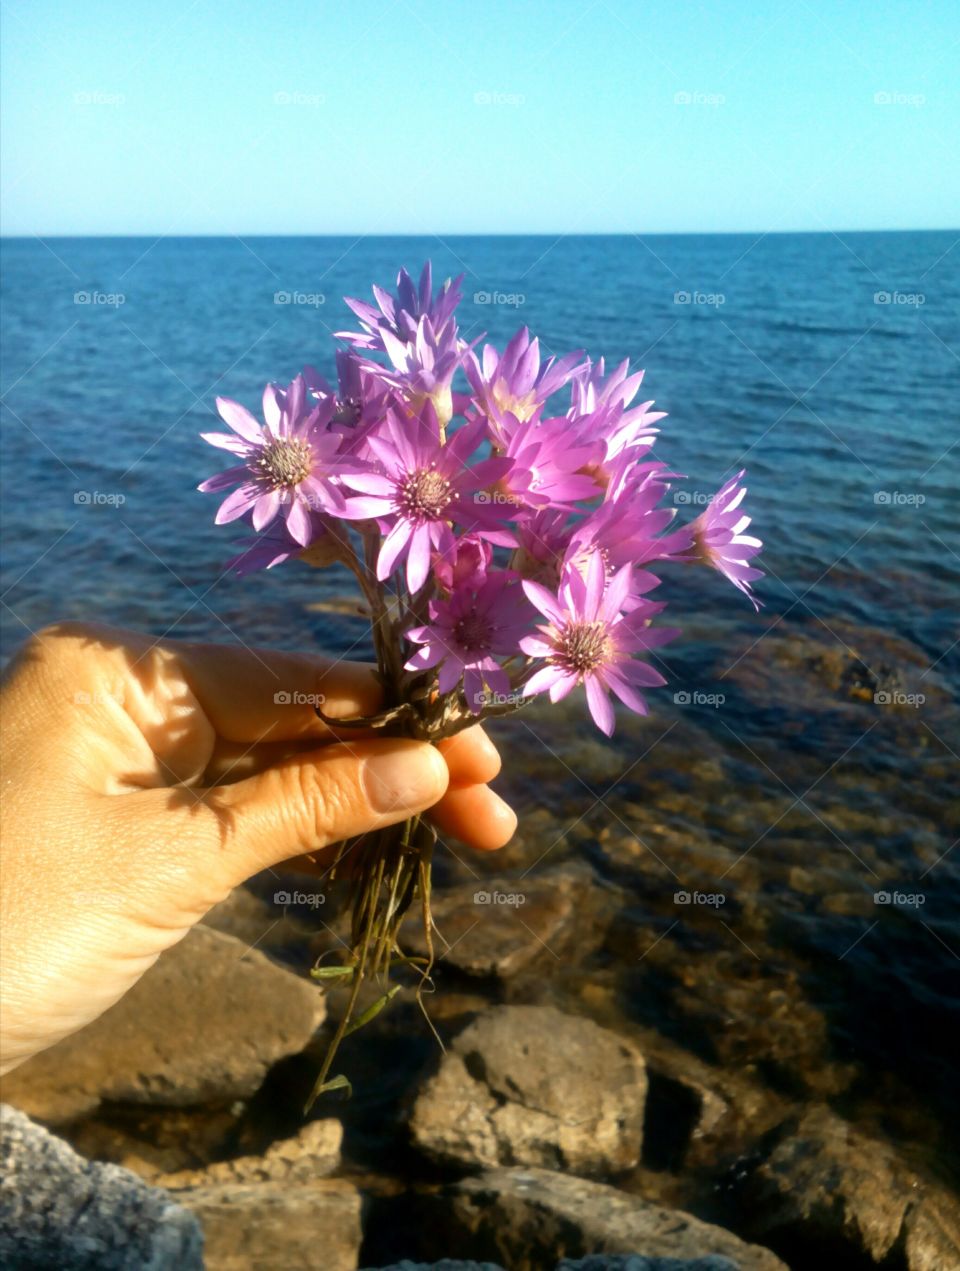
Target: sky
{"x": 508, "y": 116}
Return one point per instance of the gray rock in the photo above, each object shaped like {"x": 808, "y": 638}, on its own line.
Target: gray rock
{"x": 267, "y": 1226}
{"x": 528, "y": 1085}
{"x": 59, "y": 1211}
{"x": 499, "y": 926}
{"x": 205, "y": 1023}
{"x": 313, "y": 1153}
{"x": 842, "y": 1194}
{"x": 531, "y": 1217}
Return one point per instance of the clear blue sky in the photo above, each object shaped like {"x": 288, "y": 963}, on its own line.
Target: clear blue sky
{"x": 406, "y": 116}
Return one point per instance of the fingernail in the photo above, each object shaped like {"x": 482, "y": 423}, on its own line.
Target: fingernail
{"x": 410, "y": 776}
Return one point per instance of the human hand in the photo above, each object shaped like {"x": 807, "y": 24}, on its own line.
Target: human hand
{"x": 143, "y": 780}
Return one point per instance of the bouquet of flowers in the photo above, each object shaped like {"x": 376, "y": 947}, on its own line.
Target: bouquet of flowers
{"x": 504, "y": 547}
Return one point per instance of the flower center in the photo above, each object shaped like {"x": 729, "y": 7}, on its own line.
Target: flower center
{"x": 583, "y": 646}
{"x": 285, "y": 461}
{"x": 424, "y": 495}
{"x": 473, "y": 631}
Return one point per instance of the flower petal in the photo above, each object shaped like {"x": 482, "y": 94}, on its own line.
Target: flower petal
{"x": 240, "y": 420}
{"x": 600, "y": 707}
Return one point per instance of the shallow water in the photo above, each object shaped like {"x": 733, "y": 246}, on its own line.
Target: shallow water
{"x": 783, "y": 780}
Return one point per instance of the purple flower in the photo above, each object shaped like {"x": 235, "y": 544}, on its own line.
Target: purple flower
{"x": 467, "y": 632}
{"x": 511, "y": 387}
{"x": 719, "y": 539}
{"x": 400, "y": 317}
{"x": 591, "y": 641}
{"x": 287, "y": 464}
{"x": 276, "y": 545}
{"x": 421, "y": 487}
{"x": 545, "y": 469}
{"x": 600, "y": 411}
{"x": 465, "y": 562}
{"x": 541, "y": 544}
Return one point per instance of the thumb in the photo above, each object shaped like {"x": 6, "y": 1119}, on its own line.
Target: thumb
{"x": 311, "y": 801}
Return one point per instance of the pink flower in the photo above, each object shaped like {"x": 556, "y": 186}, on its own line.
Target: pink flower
{"x": 288, "y": 464}
{"x": 467, "y": 632}
{"x": 589, "y": 640}
{"x": 420, "y": 488}
{"x": 719, "y": 539}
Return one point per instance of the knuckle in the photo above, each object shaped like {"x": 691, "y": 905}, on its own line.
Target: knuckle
{"x": 327, "y": 804}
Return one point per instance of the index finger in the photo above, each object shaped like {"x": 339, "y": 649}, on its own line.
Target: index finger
{"x": 252, "y": 695}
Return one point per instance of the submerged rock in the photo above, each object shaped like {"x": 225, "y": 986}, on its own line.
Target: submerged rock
{"x": 267, "y": 1226}
{"x": 499, "y": 926}
{"x": 833, "y": 1193}
{"x": 59, "y": 1211}
{"x": 204, "y": 1023}
{"x": 531, "y": 1218}
{"x": 530, "y": 1085}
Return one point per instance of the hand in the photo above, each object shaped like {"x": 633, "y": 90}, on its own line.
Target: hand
{"x": 143, "y": 780}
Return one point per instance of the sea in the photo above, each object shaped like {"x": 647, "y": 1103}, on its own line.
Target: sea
{"x": 780, "y": 834}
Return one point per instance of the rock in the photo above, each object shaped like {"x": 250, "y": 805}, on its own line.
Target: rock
{"x": 634, "y": 1262}
{"x": 529, "y": 1085}
{"x": 499, "y": 926}
{"x": 58, "y": 1210}
{"x": 313, "y": 1153}
{"x": 528, "y": 1218}
{"x": 265, "y": 1226}
{"x": 838, "y": 1194}
{"x": 204, "y": 1023}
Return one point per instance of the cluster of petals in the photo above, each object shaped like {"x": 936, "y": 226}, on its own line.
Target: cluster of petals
{"x": 524, "y": 534}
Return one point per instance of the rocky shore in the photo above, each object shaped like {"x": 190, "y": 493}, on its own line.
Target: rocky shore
{"x": 553, "y": 1131}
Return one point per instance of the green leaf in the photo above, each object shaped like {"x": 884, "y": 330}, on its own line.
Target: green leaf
{"x": 372, "y": 1011}
{"x": 335, "y": 1083}
{"x": 330, "y": 972}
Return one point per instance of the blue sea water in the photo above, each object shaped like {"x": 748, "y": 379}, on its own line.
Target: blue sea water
{"x": 789, "y": 760}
